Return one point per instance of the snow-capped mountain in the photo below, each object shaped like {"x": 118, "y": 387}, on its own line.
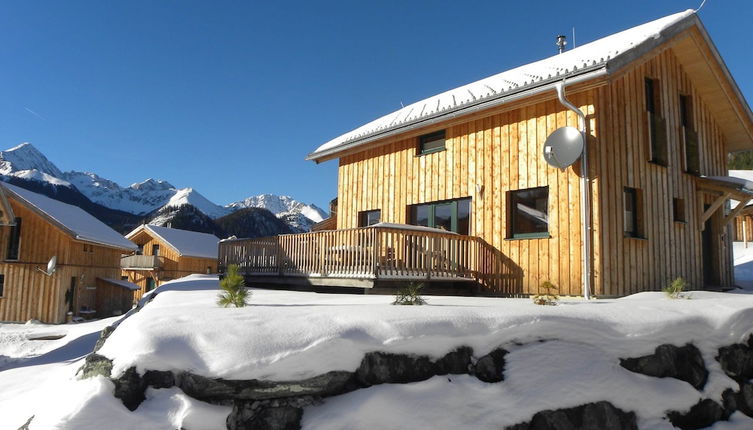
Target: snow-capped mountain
{"x": 282, "y": 206}
{"x": 151, "y": 196}
{"x": 26, "y": 157}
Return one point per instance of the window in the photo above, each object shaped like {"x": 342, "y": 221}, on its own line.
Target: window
{"x": 450, "y": 215}
{"x": 529, "y": 213}
{"x": 140, "y": 251}
{"x": 124, "y": 278}
{"x": 14, "y": 241}
{"x": 657, "y": 127}
{"x": 431, "y": 142}
{"x": 155, "y": 249}
{"x": 2, "y": 285}
{"x": 678, "y": 210}
{"x": 367, "y": 218}
{"x": 150, "y": 284}
{"x": 690, "y": 137}
{"x": 632, "y": 214}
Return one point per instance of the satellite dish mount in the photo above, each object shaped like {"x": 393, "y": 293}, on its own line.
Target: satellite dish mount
{"x": 51, "y": 266}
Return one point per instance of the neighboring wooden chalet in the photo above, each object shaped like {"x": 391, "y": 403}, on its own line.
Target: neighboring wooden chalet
{"x": 36, "y": 228}
{"x": 661, "y": 111}
{"x": 329, "y": 223}
{"x": 165, "y": 254}
{"x": 742, "y": 229}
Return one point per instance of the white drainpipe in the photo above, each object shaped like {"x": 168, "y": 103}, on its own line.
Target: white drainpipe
{"x": 585, "y": 195}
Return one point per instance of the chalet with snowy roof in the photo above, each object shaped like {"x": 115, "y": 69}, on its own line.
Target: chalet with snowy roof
{"x": 83, "y": 279}
{"x": 165, "y": 254}
{"x": 647, "y": 201}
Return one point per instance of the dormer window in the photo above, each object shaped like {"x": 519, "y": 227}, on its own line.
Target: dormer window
{"x": 432, "y": 142}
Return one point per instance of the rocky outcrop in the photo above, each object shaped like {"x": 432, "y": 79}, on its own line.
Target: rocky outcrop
{"x": 737, "y": 360}
{"x": 591, "y": 416}
{"x": 269, "y": 414}
{"x": 668, "y": 361}
{"x": 741, "y": 400}
{"x": 490, "y": 368}
{"x": 385, "y": 368}
{"x": 455, "y": 362}
{"x": 95, "y": 365}
{"x": 703, "y": 414}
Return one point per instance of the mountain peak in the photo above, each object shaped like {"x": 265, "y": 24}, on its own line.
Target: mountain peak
{"x": 26, "y": 157}
{"x": 153, "y": 185}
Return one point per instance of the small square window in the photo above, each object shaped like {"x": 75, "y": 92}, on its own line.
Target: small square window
{"x": 367, "y": 218}
{"x": 155, "y": 249}
{"x": 431, "y": 142}
{"x": 678, "y": 210}
{"x": 632, "y": 217}
{"x": 529, "y": 213}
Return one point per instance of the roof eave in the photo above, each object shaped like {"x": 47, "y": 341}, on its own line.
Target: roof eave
{"x": 582, "y": 75}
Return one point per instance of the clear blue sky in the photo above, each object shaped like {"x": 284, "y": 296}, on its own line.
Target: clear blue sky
{"x": 228, "y": 97}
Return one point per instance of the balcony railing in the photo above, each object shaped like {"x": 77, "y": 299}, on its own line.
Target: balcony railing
{"x": 372, "y": 253}
{"x": 144, "y": 262}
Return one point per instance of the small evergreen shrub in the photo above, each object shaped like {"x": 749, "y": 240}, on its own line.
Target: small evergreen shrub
{"x": 234, "y": 291}
{"x": 549, "y": 295}
{"x": 410, "y": 295}
{"x": 676, "y": 288}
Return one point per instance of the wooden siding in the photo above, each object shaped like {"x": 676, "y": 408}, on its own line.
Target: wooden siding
{"x": 30, "y": 294}
{"x": 172, "y": 265}
{"x": 669, "y": 249}
{"x": 738, "y": 225}
{"x": 499, "y": 150}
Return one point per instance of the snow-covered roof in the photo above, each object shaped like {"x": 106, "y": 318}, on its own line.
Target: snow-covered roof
{"x": 186, "y": 243}
{"x": 71, "y": 219}
{"x": 592, "y": 57}
{"x": 121, "y": 283}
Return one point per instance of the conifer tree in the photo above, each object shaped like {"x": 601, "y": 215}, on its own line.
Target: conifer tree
{"x": 234, "y": 291}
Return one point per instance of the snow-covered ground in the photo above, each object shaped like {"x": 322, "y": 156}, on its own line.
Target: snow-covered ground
{"x": 286, "y": 335}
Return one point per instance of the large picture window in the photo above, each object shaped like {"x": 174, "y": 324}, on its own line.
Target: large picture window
{"x": 450, "y": 215}
{"x": 529, "y": 213}
{"x": 367, "y": 218}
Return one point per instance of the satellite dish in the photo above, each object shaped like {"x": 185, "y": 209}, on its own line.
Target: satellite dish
{"x": 563, "y": 147}
{"x": 51, "y": 266}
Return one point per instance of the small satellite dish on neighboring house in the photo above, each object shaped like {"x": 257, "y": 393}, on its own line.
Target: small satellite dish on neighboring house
{"x": 563, "y": 147}
{"x": 51, "y": 266}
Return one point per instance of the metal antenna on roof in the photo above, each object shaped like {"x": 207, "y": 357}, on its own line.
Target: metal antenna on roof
{"x": 561, "y": 42}
{"x": 401, "y": 104}
{"x": 699, "y": 7}
{"x": 573, "y": 37}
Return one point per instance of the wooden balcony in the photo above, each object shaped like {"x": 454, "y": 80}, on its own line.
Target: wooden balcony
{"x": 140, "y": 262}
{"x": 359, "y": 257}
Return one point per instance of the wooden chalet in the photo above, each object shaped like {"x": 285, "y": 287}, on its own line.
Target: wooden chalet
{"x": 36, "y": 228}
{"x": 649, "y": 201}
{"x": 165, "y": 254}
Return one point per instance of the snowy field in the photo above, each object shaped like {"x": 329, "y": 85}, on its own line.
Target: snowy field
{"x": 286, "y": 335}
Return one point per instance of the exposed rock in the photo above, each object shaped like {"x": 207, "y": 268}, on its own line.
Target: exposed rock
{"x": 703, "y": 414}
{"x": 668, "y": 361}
{"x": 740, "y": 401}
{"x": 456, "y": 362}
{"x": 103, "y": 335}
{"x": 381, "y": 367}
{"x": 591, "y": 416}
{"x": 491, "y": 367}
{"x": 129, "y": 388}
{"x": 268, "y": 414}
{"x": 159, "y": 379}
{"x": 213, "y": 390}
{"x": 94, "y": 365}
{"x": 737, "y": 361}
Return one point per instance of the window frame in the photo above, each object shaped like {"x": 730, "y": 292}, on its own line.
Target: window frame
{"x": 512, "y": 215}
{"x": 689, "y": 134}
{"x": 656, "y": 125}
{"x": 155, "y": 247}
{"x": 454, "y": 213}
{"x": 678, "y": 210}
{"x": 363, "y": 217}
{"x": 431, "y": 137}
{"x": 2, "y": 285}
{"x": 14, "y": 236}
{"x": 637, "y": 213}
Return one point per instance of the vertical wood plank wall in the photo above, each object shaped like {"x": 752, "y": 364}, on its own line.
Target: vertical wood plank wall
{"x": 670, "y": 249}
{"x": 172, "y": 265}
{"x": 30, "y": 294}
{"x": 501, "y": 152}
